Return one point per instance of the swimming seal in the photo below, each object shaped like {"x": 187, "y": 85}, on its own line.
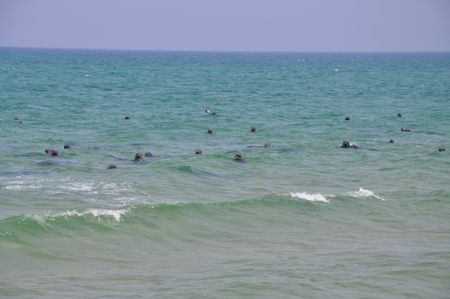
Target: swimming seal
{"x": 253, "y": 129}
{"x": 399, "y": 115}
{"x": 238, "y": 158}
{"x": 347, "y": 118}
{"x": 66, "y": 146}
{"x": 111, "y": 166}
{"x": 210, "y": 112}
{"x": 148, "y": 154}
{"x": 198, "y": 152}
{"x": 348, "y": 144}
{"x": 126, "y": 117}
{"x": 405, "y": 130}
{"x": 209, "y": 131}
{"x": 441, "y": 149}
{"x": 51, "y": 152}
{"x": 391, "y": 140}
{"x": 137, "y": 157}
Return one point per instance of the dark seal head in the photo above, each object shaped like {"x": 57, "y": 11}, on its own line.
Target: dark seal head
{"x": 405, "y": 130}
{"x": 347, "y": 118}
{"x": 399, "y": 115}
{"x": 148, "y": 154}
{"x": 111, "y": 166}
{"x": 210, "y": 131}
{"x": 238, "y": 158}
{"x": 348, "y": 144}
{"x": 441, "y": 149}
{"x": 345, "y": 144}
{"x": 51, "y": 152}
{"x": 66, "y": 146}
{"x": 253, "y": 129}
{"x": 126, "y": 117}
{"x": 198, "y": 152}
{"x": 391, "y": 140}
{"x": 137, "y": 157}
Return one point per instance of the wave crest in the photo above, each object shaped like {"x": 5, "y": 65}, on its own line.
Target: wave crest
{"x": 309, "y": 197}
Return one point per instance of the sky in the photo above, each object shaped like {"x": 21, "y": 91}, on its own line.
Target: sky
{"x": 228, "y": 25}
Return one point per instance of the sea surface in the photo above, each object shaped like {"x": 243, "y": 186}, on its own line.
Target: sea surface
{"x": 301, "y": 218}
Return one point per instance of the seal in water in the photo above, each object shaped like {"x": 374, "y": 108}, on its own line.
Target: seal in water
{"x": 198, "y": 152}
{"x": 391, "y": 140}
{"x": 348, "y": 144}
{"x": 347, "y": 118}
{"x": 137, "y": 157}
{"x": 441, "y": 149}
{"x": 399, "y": 115}
{"x": 51, "y": 152}
{"x": 126, "y": 117}
{"x": 148, "y": 154}
{"x": 209, "y": 131}
{"x": 405, "y": 130}
{"x": 66, "y": 146}
{"x": 267, "y": 145}
{"x": 253, "y": 129}
{"x": 238, "y": 158}
{"x": 111, "y": 166}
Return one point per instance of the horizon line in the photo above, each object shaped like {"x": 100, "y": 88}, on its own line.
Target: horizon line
{"x": 228, "y": 51}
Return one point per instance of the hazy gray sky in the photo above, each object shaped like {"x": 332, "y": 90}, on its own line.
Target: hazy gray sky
{"x": 238, "y": 25}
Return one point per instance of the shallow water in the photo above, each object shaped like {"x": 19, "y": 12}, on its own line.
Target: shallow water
{"x": 301, "y": 218}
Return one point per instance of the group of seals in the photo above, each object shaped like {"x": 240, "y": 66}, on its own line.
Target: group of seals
{"x": 237, "y": 157}
{"x": 53, "y": 153}
{"x": 347, "y": 144}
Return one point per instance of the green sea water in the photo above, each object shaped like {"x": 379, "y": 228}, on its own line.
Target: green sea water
{"x": 301, "y": 218}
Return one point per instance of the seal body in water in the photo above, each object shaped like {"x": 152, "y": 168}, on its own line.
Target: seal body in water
{"x": 238, "y": 158}
{"x": 348, "y": 144}
{"x": 137, "y": 157}
{"x": 51, "y": 152}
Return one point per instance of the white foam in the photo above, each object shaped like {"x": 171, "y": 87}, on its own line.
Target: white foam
{"x": 21, "y": 187}
{"x": 116, "y": 214}
{"x": 309, "y": 197}
{"x": 363, "y": 193}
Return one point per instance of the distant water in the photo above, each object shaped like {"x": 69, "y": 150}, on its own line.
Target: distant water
{"x": 302, "y": 218}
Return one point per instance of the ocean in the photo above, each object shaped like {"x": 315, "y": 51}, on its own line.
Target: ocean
{"x": 298, "y": 217}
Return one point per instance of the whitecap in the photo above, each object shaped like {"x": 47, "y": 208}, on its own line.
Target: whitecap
{"x": 309, "y": 196}
{"x": 116, "y": 214}
{"x": 364, "y": 193}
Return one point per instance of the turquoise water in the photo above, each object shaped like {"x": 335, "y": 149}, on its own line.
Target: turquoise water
{"x": 302, "y": 218}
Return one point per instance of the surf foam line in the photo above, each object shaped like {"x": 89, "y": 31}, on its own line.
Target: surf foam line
{"x": 115, "y": 214}
{"x": 318, "y": 197}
